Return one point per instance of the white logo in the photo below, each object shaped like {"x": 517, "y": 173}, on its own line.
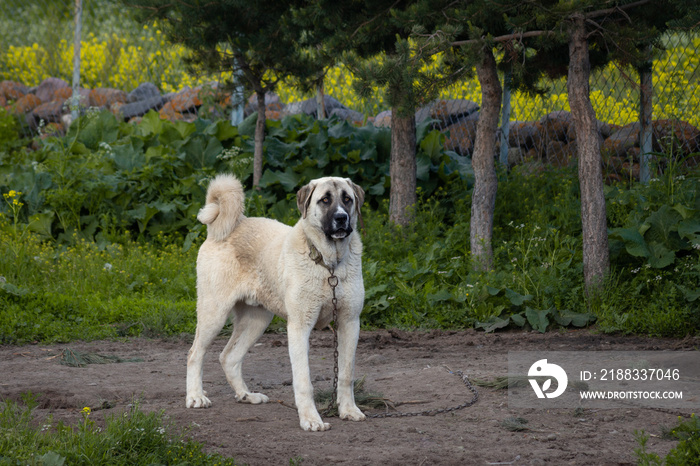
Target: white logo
{"x": 543, "y": 369}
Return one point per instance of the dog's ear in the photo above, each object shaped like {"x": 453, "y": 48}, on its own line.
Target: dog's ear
{"x": 304, "y": 198}
{"x": 359, "y": 196}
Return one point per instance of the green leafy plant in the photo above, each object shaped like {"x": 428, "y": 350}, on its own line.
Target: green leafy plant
{"x": 133, "y": 437}
{"x": 685, "y": 453}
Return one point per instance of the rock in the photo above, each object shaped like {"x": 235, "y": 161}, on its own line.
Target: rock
{"x": 525, "y": 134}
{"x": 252, "y": 105}
{"x": 605, "y": 130}
{"x": 446, "y": 112}
{"x": 621, "y": 140}
{"x": 62, "y": 94}
{"x": 352, "y": 116}
{"x": 516, "y": 156}
{"x": 105, "y": 97}
{"x": 26, "y": 104}
{"x": 383, "y": 119}
{"x": 143, "y": 91}
{"x": 630, "y": 170}
{"x": 12, "y": 90}
{"x": 533, "y": 155}
{"x": 139, "y": 108}
{"x": 555, "y": 125}
{"x": 49, "y": 112}
{"x": 52, "y": 129}
{"x": 186, "y": 101}
{"x": 614, "y": 163}
{"x": 65, "y": 93}
{"x": 560, "y": 154}
{"x": 169, "y": 113}
{"x": 308, "y": 106}
{"x": 551, "y": 437}
{"x": 48, "y": 87}
{"x": 676, "y": 135}
{"x": 460, "y": 136}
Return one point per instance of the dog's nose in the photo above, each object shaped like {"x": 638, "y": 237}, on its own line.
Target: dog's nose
{"x": 340, "y": 217}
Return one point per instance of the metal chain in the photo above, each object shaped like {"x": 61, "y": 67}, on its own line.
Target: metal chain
{"x": 433, "y": 412}
{"x": 333, "y": 283}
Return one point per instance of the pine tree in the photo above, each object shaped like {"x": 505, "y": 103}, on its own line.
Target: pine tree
{"x": 562, "y": 38}
{"x": 247, "y": 38}
{"x": 373, "y": 38}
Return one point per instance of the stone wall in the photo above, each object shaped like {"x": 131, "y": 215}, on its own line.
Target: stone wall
{"x": 549, "y": 141}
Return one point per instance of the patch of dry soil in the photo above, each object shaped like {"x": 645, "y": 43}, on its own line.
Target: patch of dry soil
{"x": 402, "y": 366}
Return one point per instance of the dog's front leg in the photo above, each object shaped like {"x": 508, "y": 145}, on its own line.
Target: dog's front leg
{"x": 298, "y": 332}
{"x": 348, "y": 334}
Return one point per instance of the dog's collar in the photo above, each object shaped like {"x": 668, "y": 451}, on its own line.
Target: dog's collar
{"x": 316, "y": 256}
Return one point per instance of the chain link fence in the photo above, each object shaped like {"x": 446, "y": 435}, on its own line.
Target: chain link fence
{"x": 130, "y": 68}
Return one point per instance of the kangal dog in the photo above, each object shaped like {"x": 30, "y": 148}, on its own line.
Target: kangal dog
{"x": 254, "y": 268}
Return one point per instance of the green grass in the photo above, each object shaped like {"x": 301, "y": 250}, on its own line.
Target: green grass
{"x": 419, "y": 278}
{"x": 131, "y": 438}
{"x": 685, "y": 453}
{"x": 52, "y": 292}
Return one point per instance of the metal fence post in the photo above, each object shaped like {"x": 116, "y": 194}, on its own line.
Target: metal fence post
{"x": 75, "y": 99}
{"x": 238, "y": 100}
{"x": 645, "y": 114}
{"x": 505, "y": 119}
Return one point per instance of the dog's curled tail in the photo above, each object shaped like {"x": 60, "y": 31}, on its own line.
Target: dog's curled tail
{"x": 224, "y": 207}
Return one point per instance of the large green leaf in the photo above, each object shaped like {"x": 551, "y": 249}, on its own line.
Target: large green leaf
{"x": 516, "y": 298}
{"x": 577, "y": 319}
{"x": 277, "y": 152}
{"x": 151, "y": 123}
{"x": 518, "y": 319}
{"x": 493, "y": 323}
{"x": 538, "y": 318}
{"x": 660, "y": 256}
{"x": 94, "y": 129}
{"x": 201, "y": 153}
{"x": 128, "y": 156}
{"x": 288, "y": 179}
{"x": 422, "y": 167}
{"x": 634, "y": 242}
{"x": 690, "y": 229}
{"x": 690, "y": 295}
{"x": 663, "y": 228}
{"x": 433, "y": 145}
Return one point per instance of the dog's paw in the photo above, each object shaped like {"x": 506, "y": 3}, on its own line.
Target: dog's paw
{"x": 352, "y": 414}
{"x": 252, "y": 398}
{"x": 198, "y": 401}
{"x": 314, "y": 425}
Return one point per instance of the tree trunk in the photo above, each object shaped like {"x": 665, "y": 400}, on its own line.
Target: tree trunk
{"x": 595, "y": 234}
{"x": 402, "y": 168}
{"x": 486, "y": 182}
{"x": 320, "y": 100}
{"x": 259, "y": 138}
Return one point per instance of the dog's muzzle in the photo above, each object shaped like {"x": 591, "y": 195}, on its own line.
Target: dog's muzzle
{"x": 340, "y": 225}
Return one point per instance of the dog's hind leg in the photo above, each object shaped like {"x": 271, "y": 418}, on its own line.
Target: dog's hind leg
{"x": 248, "y": 325}
{"x": 211, "y": 318}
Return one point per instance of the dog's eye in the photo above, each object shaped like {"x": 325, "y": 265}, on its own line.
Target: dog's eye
{"x": 326, "y": 199}
{"x": 347, "y": 199}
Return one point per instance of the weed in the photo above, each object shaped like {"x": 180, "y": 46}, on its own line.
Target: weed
{"x": 132, "y": 437}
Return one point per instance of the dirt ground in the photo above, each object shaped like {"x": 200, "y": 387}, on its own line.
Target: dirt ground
{"x": 402, "y": 366}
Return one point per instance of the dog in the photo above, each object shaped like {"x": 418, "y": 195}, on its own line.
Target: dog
{"x": 254, "y": 268}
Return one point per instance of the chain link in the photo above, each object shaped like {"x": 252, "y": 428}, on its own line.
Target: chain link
{"x": 333, "y": 283}
{"x": 433, "y": 412}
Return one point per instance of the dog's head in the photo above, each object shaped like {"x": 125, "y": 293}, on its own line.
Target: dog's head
{"x": 332, "y": 204}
